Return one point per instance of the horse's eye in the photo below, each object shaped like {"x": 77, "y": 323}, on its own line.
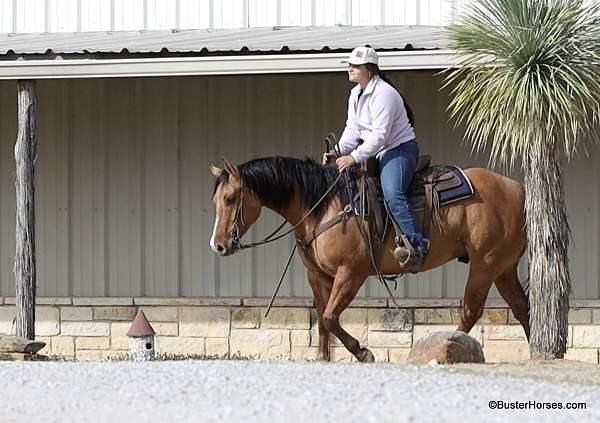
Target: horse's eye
{"x": 230, "y": 201}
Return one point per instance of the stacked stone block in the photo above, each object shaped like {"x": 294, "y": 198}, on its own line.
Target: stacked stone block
{"x": 95, "y": 328}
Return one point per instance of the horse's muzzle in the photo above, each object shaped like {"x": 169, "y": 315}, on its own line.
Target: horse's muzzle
{"x": 224, "y": 250}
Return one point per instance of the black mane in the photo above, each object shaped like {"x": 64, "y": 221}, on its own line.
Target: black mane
{"x": 273, "y": 179}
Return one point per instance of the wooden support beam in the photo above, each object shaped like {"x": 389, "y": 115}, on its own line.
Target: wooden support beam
{"x": 25, "y": 277}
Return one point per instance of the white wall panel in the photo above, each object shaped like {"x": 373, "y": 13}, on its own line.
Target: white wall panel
{"x": 195, "y": 14}
{"x": 332, "y": 12}
{"x": 62, "y": 16}
{"x": 196, "y": 114}
{"x": 230, "y": 13}
{"x": 399, "y": 12}
{"x": 296, "y": 12}
{"x": 264, "y": 12}
{"x": 105, "y": 15}
{"x": 95, "y": 16}
{"x": 436, "y": 12}
{"x": 53, "y": 208}
{"x": 123, "y": 230}
{"x": 582, "y": 192}
{"x": 159, "y": 125}
{"x": 163, "y": 14}
{"x": 6, "y": 16}
{"x": 129, "y": 15}
{"x": 366, "y": 12}
{"x": 88, "y": 187}
{"x": 30, "y": 15}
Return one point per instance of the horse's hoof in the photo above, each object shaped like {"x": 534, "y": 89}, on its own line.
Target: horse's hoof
{"x": 323, "y": 357}
{"x": 366, "y": 356}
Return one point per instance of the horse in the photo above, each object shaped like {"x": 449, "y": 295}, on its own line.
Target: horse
{"x": 486, "y": 229}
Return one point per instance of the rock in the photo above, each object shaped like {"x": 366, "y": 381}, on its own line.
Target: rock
{"x": 15, "y": 344}
{"x": 16, "y": 356}
{"x": 446, "y": 348}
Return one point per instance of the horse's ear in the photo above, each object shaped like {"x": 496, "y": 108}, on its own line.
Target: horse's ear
{"x": 231, "y": 169}
{"x": 215, "y": 170}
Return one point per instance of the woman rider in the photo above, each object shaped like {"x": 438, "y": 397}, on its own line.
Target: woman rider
{"x": 379, "y": 116}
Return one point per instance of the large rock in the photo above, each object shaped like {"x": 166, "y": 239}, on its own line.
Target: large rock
{"x": 446, "y": 347}
{"x": 14, "y": 344}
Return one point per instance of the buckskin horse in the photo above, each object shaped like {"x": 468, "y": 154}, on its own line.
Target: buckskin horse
{"x": 488, "y": 228}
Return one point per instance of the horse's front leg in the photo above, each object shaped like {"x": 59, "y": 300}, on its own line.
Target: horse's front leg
{"x": 345, "y": 286}
{"x": 321, "y": 287}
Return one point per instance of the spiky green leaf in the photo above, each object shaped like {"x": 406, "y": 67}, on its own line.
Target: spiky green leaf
{"x": 529, "y": 75}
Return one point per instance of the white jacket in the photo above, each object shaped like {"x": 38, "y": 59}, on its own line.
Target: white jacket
{"x": 378, "y": 117}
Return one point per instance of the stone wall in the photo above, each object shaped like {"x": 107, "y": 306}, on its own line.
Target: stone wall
{"x": 95, "y": 328}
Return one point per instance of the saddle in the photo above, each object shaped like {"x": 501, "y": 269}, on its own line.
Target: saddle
{"x": 431, "y": 188}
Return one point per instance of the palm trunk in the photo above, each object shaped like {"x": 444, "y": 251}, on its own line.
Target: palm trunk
{"x": 548, "y": 236}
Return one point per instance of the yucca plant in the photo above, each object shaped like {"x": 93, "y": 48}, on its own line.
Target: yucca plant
{"x": 528, "y": 88}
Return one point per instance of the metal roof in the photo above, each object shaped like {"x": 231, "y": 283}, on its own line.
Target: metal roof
{"x": 266, "y": 39}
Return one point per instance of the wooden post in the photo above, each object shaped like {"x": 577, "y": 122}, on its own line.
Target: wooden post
{"x": 25, "y": 225}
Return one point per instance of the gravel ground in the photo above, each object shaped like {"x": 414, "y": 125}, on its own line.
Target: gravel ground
{"x": 250, "y": 391}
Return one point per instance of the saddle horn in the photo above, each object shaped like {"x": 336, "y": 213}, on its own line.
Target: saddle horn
{"x": 330, "y": 141}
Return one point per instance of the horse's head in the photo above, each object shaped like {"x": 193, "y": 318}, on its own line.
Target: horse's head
{"x": 236, "y": 208}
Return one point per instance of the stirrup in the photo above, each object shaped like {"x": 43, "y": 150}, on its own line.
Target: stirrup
{"x": 404, "y": 252}
{"x": 408, "y": 257}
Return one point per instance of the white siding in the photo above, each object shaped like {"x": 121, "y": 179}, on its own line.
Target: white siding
{"x": 124, "y": 193}
{"x": 116, "y": 15}
{"x": 95, "y": 16}
{"x": 297, "y": 13}
{"x": 6, "y": 16}
{"x": 61, "y": 16}
{"x": 129, "y": 15}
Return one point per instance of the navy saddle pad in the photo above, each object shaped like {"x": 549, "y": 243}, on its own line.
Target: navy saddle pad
{"x": 453, "y": 186}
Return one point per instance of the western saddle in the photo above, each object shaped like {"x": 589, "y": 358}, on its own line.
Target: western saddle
{"x": 432, "y": 187}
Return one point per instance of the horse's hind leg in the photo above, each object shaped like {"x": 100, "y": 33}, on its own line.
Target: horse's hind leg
{"x": 476, "y": 292}
{"x": 345, "y": 287}
{"x": 321, "y": 287}
{"x": 511, "y": 290}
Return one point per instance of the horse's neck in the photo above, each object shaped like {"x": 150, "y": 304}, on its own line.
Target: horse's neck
{"x": 294, "y": 213}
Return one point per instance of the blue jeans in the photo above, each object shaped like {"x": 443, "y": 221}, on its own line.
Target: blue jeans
{"x": 396, "y": 170}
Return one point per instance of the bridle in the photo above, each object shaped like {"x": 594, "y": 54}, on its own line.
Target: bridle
{"x": 234, "y": 232}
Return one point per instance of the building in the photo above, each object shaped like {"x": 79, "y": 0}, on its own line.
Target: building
{"x": 127, "y": 124}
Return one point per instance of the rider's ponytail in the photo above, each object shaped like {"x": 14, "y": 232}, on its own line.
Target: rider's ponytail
{"x": 376, "y": 71}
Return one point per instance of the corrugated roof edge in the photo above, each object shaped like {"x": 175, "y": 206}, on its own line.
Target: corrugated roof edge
{"x": 265, "y": 40}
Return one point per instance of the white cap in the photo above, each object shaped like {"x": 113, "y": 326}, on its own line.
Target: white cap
{"x": 362, "y": 55}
